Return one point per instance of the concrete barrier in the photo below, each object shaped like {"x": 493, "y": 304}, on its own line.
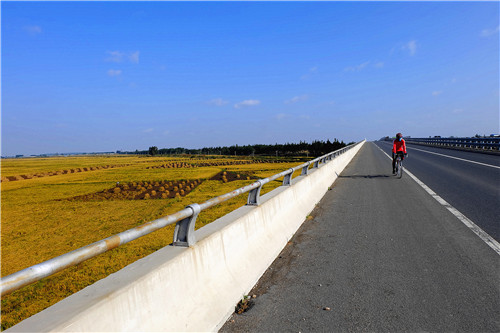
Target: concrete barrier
{"x": 196, "y": 288}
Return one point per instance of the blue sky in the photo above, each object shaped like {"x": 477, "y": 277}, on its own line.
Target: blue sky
{"x": 107, "y": 76}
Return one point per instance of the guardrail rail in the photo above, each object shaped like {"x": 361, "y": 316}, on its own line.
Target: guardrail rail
{"x": 485, "y": 144}
{"x": 183, "y": 234}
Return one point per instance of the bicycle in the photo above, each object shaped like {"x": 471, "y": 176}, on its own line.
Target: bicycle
{"x": 399, "y": 166}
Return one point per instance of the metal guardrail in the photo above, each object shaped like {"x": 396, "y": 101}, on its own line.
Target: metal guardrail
{"x": 488, "y": 143}
{"x": 183, "y": 233}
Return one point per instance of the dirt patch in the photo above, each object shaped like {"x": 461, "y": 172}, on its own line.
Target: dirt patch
{"x": 230, "y": 176}
{"x": 143, "y": 190}
{"x": 208, "y": 164}
{"x": 58, "y": 172}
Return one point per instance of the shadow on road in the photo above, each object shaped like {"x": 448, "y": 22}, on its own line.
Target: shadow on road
{"x": 366, "y": 176}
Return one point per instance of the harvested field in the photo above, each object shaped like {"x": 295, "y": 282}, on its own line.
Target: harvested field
{"x": 205, "y": 164}
{"x": 43, "y": 217}
{"x": 141, "y": 190}
{"x": 231, "y": 176}
{"x": 58, "y": 172}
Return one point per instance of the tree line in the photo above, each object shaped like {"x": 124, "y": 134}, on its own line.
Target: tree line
{"x": 314, "y": 149}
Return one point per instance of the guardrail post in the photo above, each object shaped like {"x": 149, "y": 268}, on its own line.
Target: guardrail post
{"x": 316, "y": 164}
{"x": 287, "y": 180}
{"x": 254, "y": 195}
{"x": 305, "y": 169}
{"x": 184, "y": 229}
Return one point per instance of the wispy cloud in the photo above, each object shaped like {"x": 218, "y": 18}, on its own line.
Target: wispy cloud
{"x": 280, "y": 116}
{"x": 148, "y": 130}
{"x": 490, "y": 32}
{"x": 437, "y": 93}
{"x": 217, "y": 102}
{"x": 119, "y": 56}
{"x": 379, "y": 64}
{"x": 114, "y": 72}
{"x": 134, "y": 57}
{"x": 297, "y": 99}
{"x": 33, "y": 29}
{"x": 310, "y": 74}
{"x": 245, "y": 103}
{"x": 357, "y": 68}
{"x": 411, "y": 46}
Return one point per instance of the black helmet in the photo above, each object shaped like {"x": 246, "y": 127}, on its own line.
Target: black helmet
{"x": 399, "y": 136}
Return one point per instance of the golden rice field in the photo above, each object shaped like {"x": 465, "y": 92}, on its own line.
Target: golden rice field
{"x": 50, "y": 206}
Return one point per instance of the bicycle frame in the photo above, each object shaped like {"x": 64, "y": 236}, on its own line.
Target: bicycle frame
{"x": 399, "y": 166}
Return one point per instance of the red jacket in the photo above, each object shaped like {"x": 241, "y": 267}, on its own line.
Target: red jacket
{"x": 399, "y": 146}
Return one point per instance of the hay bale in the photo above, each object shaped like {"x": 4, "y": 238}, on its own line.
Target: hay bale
{"x": 167, "y": 193}
{"x": 182, "y": 192}
{"x": 147, "y": 196}
{"x": 188, "y": 188}
{"x": 153, "y": 193}
{"x": 164, "y": 196}
{"x": 161, "y": 189}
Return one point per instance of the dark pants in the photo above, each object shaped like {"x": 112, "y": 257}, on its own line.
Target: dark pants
{"x": 400, "y": 153}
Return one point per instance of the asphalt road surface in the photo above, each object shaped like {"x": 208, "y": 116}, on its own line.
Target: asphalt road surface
{"x": 469, "y": 181}
{"x": 379, "y": 255}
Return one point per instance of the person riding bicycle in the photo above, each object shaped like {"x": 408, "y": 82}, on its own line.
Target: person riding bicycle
{"x": 398, "y": 148}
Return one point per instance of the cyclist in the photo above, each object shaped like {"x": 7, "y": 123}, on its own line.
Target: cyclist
{"x": 398, "y": 148}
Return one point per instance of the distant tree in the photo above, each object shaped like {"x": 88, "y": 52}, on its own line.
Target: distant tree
{"x": 153, "y": 151}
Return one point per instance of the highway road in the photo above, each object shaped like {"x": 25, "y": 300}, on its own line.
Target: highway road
{"x": 469, "y": 181}
{"x": 380, "y": 254}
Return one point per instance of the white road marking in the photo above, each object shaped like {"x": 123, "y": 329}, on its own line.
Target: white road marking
{"x": 457, "y": 158}
{"x": 490, "y": 241}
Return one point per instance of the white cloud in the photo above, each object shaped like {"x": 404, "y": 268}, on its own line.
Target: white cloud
{"x": 148, "y": 130}
{"x": 217, "y": 102}
{"x": 490, "y": 32}
{"x": 119, "y": 56}
{"x": 134, "y": 57}
{"x": 114, "y": 72}
{"x": 411, "y": 46}
{"x": 437, "y": 93}
{"x": 280, "y": 116}
{"x": 379, "y": 64}
{"x": 357, "y": 68}
{"x": 297, "y": 99}
{"x": 245, "y": 103}
{"x": 114, "y": 56}
{"x": 33, "y": 29}
{"x": 312, "y": 71}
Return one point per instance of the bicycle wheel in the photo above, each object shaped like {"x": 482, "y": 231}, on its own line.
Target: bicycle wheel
{"x": 400, "y": 169}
